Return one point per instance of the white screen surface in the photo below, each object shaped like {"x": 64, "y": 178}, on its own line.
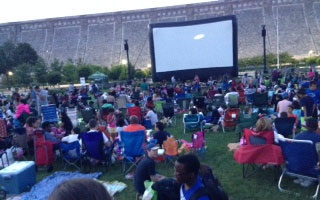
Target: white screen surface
{"x": 187, "y": 47}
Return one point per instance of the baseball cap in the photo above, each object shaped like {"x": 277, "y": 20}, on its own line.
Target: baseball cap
{"x": 152, "y": 146}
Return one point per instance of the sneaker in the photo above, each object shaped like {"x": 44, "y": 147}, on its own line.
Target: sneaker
{"x": 129, "y": 176}
{"x": 306, "y": 183}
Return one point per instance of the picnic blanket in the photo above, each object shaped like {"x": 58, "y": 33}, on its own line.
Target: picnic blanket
{"x": 43, "y": 189}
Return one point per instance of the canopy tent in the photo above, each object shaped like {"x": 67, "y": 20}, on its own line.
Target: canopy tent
{"x": 98, "y": 76}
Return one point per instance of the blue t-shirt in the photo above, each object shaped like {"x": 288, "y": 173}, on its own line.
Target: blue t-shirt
{"x": 188, "y": 193}
{"x": 315, "y": 95}
{"x": 308, "y": 135}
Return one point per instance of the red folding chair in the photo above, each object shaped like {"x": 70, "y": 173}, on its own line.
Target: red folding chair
{"x": 231, "y": 116}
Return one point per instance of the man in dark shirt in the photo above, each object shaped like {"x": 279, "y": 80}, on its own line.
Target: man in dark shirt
{"x": 160, "y": 135}
{"x": 146, "y": 169}
{"x": 310, "y": 134}
{"x": 307, "y": 103}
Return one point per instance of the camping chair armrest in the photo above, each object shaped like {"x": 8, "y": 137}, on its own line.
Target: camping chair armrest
{"x": 184, "y": 117}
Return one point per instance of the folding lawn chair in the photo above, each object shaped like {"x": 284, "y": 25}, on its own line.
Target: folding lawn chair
{"x": 133, "y": 148}
{"x": 87, "y": 114}
{"x": 71, "y": 155}
{"x": 168, "y": 112}
{"x": 135, "y": 111}
{"x": 218, "y": 101}
{"x": 94, "y": 147}
{"x": 285, "y": 126}
{"x": 259, "y": 150}
{"x": 121, "y": 103}
{"x": 260, "y": 100}
{"x": 171, "y": 149}
{"x": 159, "y": 108}
{"x": 199, "y": 143}
{"x": 199, "y": 102}
{"x": 233, "y": 101}
{"x": 43, "y": 150}
{"x": 230, "y": 118}
{"x": 301, "y": 162}
{"x": 192, "y": 122}
{"x": 49, "y": 113}
{"x": 73, "y": 115}
{"x": 250, "y": 97}
{"x": 242, "y": 97}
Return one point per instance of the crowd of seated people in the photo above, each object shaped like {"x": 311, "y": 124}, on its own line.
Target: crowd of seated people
{"x": 292, "y": 93}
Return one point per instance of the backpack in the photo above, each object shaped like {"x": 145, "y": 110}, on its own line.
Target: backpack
{"x": 212, "y": 186}
{"x": 167, "y": 189}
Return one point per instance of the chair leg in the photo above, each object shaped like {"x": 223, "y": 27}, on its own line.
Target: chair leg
{"x": 279, "y": 183}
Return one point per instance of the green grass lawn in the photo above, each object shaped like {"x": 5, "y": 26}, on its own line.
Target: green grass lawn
{"x": 261, "y": 185}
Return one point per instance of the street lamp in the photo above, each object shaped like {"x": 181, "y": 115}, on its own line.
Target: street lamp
{"x": 10, "y": 73}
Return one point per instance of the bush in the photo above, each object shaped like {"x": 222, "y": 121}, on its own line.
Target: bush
{"x": 53, "y": 78}
{"x": 115, "y": 72}
{"x": 139, "y": 74}
{"x": 312, "y": 60}
{"x": 70, "y": 73}
{"x": 84, "y": 71}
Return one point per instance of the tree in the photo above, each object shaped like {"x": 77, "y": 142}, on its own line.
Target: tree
{"x": 84, "y": 71}
{"x": 124, "y": 74}
{"x": 24, "y": 53}
{"x": 147, "y": 72}
{"x": 69, "y": 73}
{"x": 40, "y": 71}
{"x": 53, "y": 77}
{"x": 139, "y": 74}
{"x": 22, "y": 74}
{"x": 115, "y": 72}
{"x": 56, "y": 65}
{"x": 7, "y": 62}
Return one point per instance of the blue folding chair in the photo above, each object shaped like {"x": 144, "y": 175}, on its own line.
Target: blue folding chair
{"x": 71, "y": 155}
{"x": 132, "y": 143}
{"x": 301, "y": 162}
{"x": 94, "y": 147}
{"x": 192, "y": 122}
{"x": 49, "y": 113}
{"x": 285, "y": 126}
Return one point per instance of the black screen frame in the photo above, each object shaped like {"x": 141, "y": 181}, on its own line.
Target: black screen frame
{"x": 203, "y": 73}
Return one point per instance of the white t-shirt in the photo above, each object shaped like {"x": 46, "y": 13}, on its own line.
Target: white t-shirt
{"x": 152, "y": 116}
{"x": 70, "y": 138}
{"x": 119, "y": 129}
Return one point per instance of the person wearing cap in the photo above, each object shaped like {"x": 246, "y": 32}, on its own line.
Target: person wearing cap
{"x": 146, "y": 169}
{"x": 284, "y": 104}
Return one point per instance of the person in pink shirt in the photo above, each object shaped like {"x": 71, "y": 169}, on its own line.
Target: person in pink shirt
{"x": 23, "y": 107}
{"x": 283, "y": 105}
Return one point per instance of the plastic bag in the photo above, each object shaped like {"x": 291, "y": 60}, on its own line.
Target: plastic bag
{"x": 149, "y": 193}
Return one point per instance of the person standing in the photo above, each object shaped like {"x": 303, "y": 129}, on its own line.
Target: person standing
{"x": 306, "y": 102}
{"x": 42, "y": 98}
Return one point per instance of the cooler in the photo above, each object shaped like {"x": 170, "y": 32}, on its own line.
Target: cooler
{"x": 18, "y": 177}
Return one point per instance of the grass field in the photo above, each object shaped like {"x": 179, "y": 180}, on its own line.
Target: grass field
{"x": 260, "y": 185}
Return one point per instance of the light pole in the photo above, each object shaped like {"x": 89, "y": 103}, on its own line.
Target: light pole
{"x": 126, "y": 48}
{"x": 264, "y": 33}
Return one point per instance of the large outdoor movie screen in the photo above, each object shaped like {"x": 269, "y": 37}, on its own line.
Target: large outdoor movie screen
{"x": 203, "y": 47}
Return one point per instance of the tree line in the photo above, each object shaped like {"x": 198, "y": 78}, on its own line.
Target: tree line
{"x": 20, "y": 65}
